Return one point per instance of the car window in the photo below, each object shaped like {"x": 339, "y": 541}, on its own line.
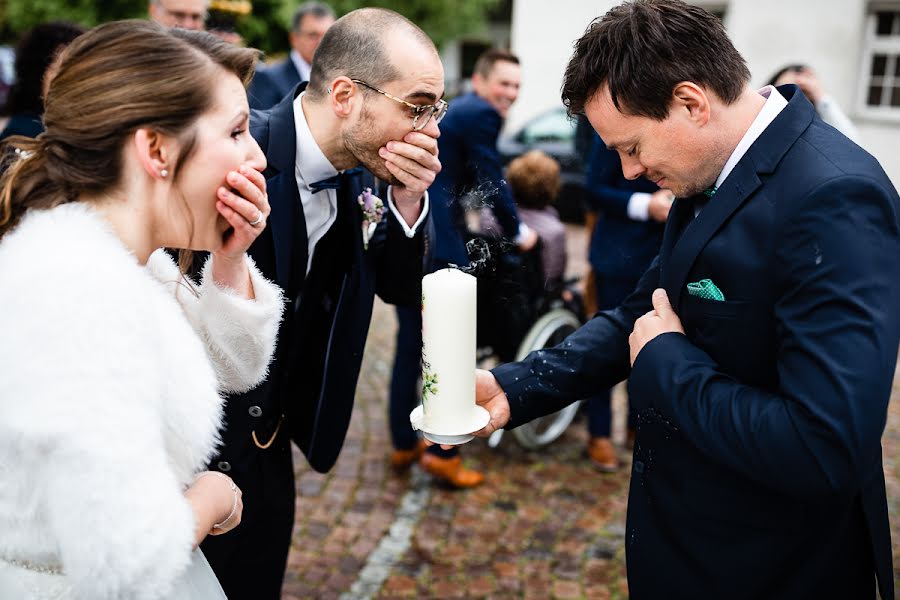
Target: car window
{"x": 553, "y": 126}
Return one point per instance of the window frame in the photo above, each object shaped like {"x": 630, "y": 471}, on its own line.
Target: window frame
{"x": 875, "y": 45}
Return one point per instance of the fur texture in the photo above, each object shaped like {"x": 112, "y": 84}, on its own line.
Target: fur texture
{"x": 109, "y": 402}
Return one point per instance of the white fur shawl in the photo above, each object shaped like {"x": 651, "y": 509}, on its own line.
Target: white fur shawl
{"x": 109, "y": 399}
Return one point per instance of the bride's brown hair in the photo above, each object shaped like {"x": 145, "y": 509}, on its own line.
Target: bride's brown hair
{"x": 113, "y": 80}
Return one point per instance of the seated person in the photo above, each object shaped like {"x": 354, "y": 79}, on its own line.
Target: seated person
{"x": 534, "y": 182}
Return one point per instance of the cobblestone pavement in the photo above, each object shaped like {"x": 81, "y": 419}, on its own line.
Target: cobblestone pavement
{"x": 544, "y": 525}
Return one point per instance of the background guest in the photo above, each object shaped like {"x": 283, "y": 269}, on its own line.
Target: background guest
{"x": 811, "y": 86}
{"x": 34, "y": 56}
{"x": 631, "y": 213}
{"x": 274, "y": 82}
{"x": 470, "y": 161}
{"x": 186, "y": 14}
{"x": 534, "y": 182}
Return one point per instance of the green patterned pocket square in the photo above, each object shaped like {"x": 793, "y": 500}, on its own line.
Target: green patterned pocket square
{"x": 706, "y": 289}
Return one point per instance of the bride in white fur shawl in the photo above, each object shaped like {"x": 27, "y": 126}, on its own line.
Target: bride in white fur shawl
{"x": 112, "y": 362}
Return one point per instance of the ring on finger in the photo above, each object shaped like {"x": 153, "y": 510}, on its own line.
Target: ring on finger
{"x": 258, "y": 219}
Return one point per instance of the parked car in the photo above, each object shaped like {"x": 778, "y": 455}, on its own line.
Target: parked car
{"x": 553, "y": 132}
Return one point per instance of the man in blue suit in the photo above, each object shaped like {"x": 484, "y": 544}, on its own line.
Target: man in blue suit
{"x": 272, "y": 83}
{"x": 625, "y": 239}
{"x": 374, "y": 99}
{"x": 761, "y": 343}
{"x": 471, "y": 168}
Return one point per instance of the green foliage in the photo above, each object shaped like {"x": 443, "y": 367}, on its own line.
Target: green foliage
{"x": 440, "y": 19}
{"x": 266, "y": 28}
{"x": 20, "y": 15}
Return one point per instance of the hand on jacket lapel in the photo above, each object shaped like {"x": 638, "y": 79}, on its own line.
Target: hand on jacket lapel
{"x": 662, "y": 319}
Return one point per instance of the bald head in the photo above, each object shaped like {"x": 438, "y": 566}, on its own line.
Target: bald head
{"x": 357, "y": 47}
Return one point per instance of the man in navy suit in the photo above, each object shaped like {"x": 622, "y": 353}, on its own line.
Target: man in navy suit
{"x": 471, "y": 163}
{"x": 761, "y": 343}
{"x": 271, "y": 84}
{"x": 374, "y": 99}
{"x": 625, "y": 239}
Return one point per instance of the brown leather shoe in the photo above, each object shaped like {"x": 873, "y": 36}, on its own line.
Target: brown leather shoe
{"x": 402, "y": 459}
{"x": 603, "y": 454}
{"x": 450, "y": 470}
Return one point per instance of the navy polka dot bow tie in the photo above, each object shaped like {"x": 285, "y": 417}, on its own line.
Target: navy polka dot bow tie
{"x": 333, "y": 183}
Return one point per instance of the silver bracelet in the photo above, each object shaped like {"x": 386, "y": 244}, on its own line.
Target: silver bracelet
{"x": 233, "y": 495}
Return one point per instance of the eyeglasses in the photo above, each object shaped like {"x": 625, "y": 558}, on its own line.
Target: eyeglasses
{"x": 423, "y": 113}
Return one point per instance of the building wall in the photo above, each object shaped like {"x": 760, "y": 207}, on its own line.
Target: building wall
{"x": 827, "y": 34}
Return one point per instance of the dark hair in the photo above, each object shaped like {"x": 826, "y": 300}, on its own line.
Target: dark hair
{"x": 485, "y": 63}
{"x": 34, "y": 53}
{"x": 354, "y": 47}
{"x": 795, "y": 68}
{"x": 316, "y": 10}
{"x": 113, "y": 80}
{"x": 533, "y": 179}
{"x": 642, "y": 49}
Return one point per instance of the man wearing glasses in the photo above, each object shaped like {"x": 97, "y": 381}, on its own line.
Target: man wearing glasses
{"x": 271, "y": 84}
{"x": 186, "y": 14}
{"x": 373, "y": 100}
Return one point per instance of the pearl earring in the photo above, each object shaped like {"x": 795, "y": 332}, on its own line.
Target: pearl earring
{"x": 164, "y": 173}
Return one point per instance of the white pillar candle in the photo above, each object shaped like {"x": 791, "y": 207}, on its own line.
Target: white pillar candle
{"x": 448, "y": 350}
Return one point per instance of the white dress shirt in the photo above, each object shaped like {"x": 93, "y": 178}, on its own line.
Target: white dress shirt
{"x": 301, "y": 65}
{"x": 320, "y": 209}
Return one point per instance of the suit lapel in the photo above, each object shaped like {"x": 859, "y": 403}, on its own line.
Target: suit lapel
{"x": 761, "y": 158}
{"x": 275, "y": 132}
{"x": 737, "y": 187}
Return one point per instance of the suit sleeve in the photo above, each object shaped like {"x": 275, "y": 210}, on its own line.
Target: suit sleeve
{"x": 484, "y": 160}
{"x": 593, "y": 358}
{"x": 262, "y": 93}
{"x": 837, "y": 332}
{"x": 603, "y": 170}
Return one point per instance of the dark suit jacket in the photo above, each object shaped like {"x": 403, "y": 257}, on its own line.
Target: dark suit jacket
{"x": 757, "y": 466}
{"x": 621, "y": 247}
{"x": 272, "y": 83}
{"x": 469, "y": 163}
{"x": 312, "y": 379}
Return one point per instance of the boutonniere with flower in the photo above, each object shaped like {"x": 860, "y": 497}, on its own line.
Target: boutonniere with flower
{"x": 372, "y": 209}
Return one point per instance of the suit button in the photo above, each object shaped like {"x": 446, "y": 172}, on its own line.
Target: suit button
{"x": 255, "y": 411}
{"x": 224, "y": 466}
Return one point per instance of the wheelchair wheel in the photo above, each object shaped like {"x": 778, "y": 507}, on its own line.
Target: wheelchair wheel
{"x": 548, "y": 331}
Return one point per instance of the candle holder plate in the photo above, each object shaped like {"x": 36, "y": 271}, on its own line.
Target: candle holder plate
{"x": 478, "y": 418}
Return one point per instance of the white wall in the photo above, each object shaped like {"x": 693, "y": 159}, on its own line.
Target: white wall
{"x": 542, "y": 36}
{"x": 827, "y": 34}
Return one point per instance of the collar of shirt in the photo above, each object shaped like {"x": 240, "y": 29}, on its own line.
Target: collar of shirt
{"x": 303, "y": 67}
{"x": 775, "y": 103}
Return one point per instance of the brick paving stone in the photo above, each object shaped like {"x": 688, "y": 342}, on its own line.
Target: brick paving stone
{"x": 399, "y": 586}
{"x": 597, "y": 592}
{"x": 566, "y": 590}
{"x": 480, "y": 587}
